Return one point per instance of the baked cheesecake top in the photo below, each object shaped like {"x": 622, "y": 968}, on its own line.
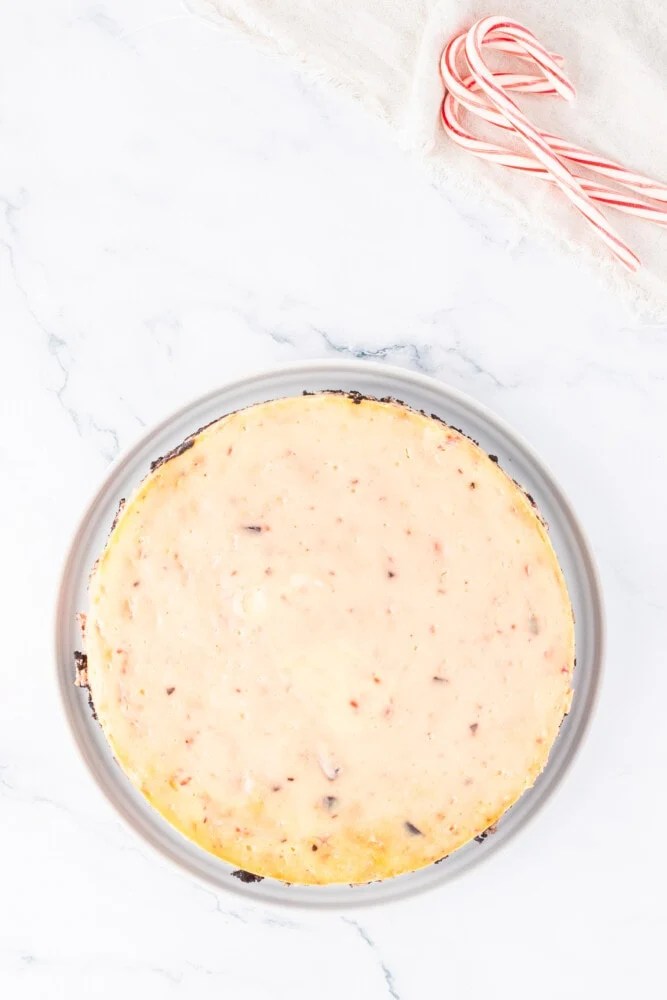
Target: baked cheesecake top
{"x": 329, "y": 639}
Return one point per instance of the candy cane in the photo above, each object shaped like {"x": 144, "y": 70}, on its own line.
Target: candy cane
{"x": 537, "y": 85}
{"x": 538, "y": 146}
{"x": 485, "y": 94}
{"x": 604, "y": 194}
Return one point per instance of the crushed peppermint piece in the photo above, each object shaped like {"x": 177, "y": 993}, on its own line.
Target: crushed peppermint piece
{"x": 327, "y": 766}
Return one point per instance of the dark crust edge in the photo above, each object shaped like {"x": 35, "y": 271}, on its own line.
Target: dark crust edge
{"x": 247, "y": 877}
{"x": 81, "y": 678}
{"x": 175, "y": 452}
{"x": 359, "y": 397}
{"x": 481, "y": 837}
{"x": 189, "y": 441}
{"x": 119, "y": 511}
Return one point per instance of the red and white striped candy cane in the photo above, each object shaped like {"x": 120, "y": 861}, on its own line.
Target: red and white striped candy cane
{"x": 524, "y": 83}
{"x": 458, "y": 88}
{"x": 484, "y": 94}
{"x": 601, "y": 193}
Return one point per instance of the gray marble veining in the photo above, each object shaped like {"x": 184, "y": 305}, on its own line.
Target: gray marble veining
{"x": 177, "y": 210}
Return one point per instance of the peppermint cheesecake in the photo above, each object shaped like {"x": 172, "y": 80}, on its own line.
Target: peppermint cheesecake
{"x": 329, "y": 639}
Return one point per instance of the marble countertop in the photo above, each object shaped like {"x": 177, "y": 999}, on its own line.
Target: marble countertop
{"x": 177, "y": 210}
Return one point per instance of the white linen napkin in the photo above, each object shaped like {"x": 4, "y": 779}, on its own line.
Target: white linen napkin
{"x": 386, "y": 53}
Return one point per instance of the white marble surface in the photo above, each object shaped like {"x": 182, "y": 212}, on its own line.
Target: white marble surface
{"x": 177, "y": 210}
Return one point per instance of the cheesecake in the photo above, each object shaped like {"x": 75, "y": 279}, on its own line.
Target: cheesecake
{"x": 329, "y": 640}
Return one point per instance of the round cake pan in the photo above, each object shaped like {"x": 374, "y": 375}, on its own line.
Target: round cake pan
{"x": 423, "y": 393}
